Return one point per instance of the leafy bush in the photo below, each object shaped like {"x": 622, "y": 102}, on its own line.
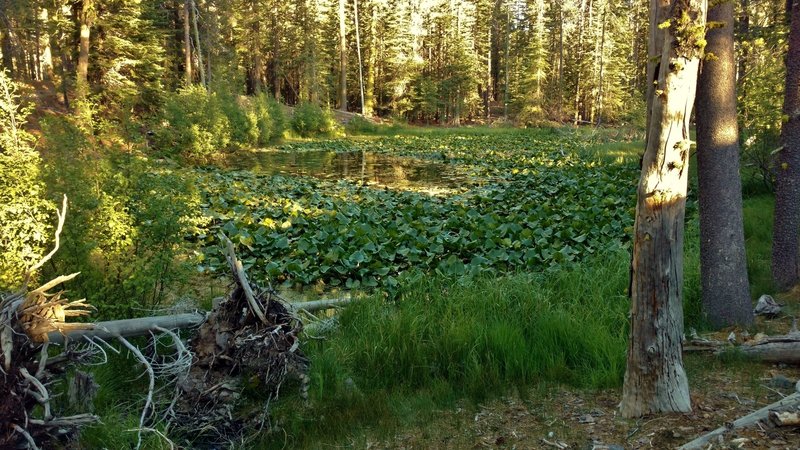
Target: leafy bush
{"x": 195, "y": 124}
{"x": 359, "y": 124}
{"x": 23, "y": 210}
{"x": 241, "y": 117}
{"x": 269, "y": 118}
{"x": 127, "y": 221}
{"x": 310, "y": 119}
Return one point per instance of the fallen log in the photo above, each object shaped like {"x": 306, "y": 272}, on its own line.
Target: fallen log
{"x": 773, "y": 349}
{"x": 318, "y": 305}
{"x": 750, "y": 419}
{"x": 129, "y": 327}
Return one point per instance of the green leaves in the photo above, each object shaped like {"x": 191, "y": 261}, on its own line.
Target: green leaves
{"x": 531, "y": 207}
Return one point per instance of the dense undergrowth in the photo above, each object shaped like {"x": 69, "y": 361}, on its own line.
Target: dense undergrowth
{"x": 516, "y": 279}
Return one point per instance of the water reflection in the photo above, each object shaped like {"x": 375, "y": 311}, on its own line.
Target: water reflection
{"x": 369, "y": 168}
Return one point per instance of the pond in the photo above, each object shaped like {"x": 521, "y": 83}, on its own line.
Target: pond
{"x": 374, "y": 169}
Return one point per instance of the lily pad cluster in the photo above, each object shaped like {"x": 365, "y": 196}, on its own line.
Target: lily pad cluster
{"x": 541, "y": 207}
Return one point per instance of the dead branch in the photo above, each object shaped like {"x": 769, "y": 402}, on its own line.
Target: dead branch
{"x": 61, "y": 217}
{"x": 750, "y": 419}
{"x": 128, "y": 327}
{"x": 775, "y": 349}
{"x": 238, "y": 273}
{"x": 150, "y": 387}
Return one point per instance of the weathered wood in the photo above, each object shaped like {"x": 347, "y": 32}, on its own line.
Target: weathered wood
{"x": 750, "y": 419}
{"x": 318, "y": 305}
{"x": 786, "y": 418}
{"x": 130, "y": 327}
{"x": 655, "y": 380}
{"x": 773, "y": 349}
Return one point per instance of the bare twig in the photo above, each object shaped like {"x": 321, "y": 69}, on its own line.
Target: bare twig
{"x": 151, "y": 387}
{"x": 61, "y": 216}
{"x": 43, "y": 396}
{"x": 27, "y": 436}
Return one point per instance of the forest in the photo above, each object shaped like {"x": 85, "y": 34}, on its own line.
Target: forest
{"x": 399, "y": 223}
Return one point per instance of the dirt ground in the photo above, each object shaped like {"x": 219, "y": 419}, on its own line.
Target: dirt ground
{"x": 559, "y": 417}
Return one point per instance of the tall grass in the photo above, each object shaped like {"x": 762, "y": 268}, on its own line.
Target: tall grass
{"x": 469, "y": 338}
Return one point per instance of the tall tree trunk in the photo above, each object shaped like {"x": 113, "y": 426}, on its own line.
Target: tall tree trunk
{"x": 358, "y": 51}
{"x": 372, "y": 58}
{"x": 200, "y": 67}
{"x": 659, "y": 11}
{"x": 655, "y": 380}
{"x": 579, "y": 60}
{"x": 723, "y": 265}
{"x": 342, "y": 57}
{"x": 600, "y": 76}
{"x": 47, "y": 53}
{"x": 86, "y": 18}
{"x": 787, "y": 172}
{"x": 187, "y": 43}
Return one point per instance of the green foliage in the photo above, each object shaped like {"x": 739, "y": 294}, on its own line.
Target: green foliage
{"x": 472, "y": 338}
{"x": 242, "y": 117}
{"x": 361, "y": 125}
{"x": 195, "y": 123}
{"x": 536, "y": 205}
{"x": 128, "y": 218}
{"x": 24, "y": 214}
{"x": 310, "y": 119}
{"x": 269, "y": 118}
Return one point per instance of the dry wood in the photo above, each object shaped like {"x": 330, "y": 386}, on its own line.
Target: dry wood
{"x": 786, "y": 418}
{"x": 775, "y": 349}
{"x": 129, "y": 327}
{"x": 750, "y": 419}
{"x": 318, "y": 305}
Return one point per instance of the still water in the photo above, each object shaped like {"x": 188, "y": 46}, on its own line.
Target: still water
{"x": 373, "y": 169}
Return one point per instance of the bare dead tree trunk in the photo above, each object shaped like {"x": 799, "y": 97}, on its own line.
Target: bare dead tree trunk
{"x": 723, "y": 265}
{"x": 655, "y": 380}
{"x": 659, "y": 11}
{"x": 787, "y": 171}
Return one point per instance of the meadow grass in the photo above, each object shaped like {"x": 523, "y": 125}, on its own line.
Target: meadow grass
{"x": 389, "y": 363}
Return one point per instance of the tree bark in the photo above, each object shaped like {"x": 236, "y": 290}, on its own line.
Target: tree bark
{"x": 659, "y": 11}
{"x": 372, "y": 58}
{"x": 787, "y": 170}
{"x": 723, "y": 264}
{"x": 198, "y": 48}
{"x": 86, "y": 18}
{"x": 187, "y": 43}
{"x": 342, "y": 57}
{"x": 655, "y": 380}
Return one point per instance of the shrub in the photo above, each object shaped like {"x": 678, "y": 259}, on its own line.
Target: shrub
{"x": 241, "y": 117}
{"x": 359, "y": 124}
{"x": 194, "y": 124}
{"x": 310, "y": 119}
{"x": 127, "y": 221}
{"x": 269, "y": 118}
{"x": 23, "y": 211}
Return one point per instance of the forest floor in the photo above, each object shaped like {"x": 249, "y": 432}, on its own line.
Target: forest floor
{"x": 558, "y": 416}
{"x": 589, "y": 419}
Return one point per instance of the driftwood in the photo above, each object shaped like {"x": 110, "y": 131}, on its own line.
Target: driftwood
{"x": 791, "y": 401}
{"x": 774, "y": 349}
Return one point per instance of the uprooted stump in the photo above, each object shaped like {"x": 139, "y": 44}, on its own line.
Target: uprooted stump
{"x": 26, "y": 317}
{"x": 250, "y": 337}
